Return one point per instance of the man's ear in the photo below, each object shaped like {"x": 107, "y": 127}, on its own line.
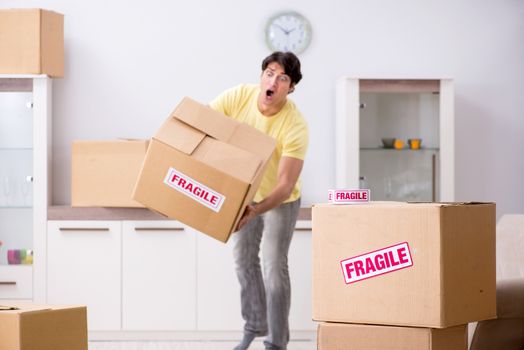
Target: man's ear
{"x": 291, "y": 88}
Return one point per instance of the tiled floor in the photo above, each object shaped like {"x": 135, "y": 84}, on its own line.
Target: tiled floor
{"x": 189, "y": 345}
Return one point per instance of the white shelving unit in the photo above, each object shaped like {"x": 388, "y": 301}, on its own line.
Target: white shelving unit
{"x": 26, "y": 146}
{"x": 372, "y": 108}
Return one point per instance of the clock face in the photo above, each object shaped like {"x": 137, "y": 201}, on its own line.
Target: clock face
{"x": 288, "y": 31}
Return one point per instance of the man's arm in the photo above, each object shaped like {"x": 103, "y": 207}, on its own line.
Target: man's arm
{"x": 288, "y": 172}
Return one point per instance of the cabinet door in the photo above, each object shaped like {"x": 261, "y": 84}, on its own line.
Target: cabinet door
{"x": 15, "y": 281}
{"x": 158, "y": 276}
{"x": 218, "y": 288}
{"x": 300, "y": 275}
{"x": 83, "y": 267}
{"x": 16, "y": 159}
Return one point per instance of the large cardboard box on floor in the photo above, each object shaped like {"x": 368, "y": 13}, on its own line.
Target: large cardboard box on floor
{"x": 202, "y": 168}
{"x": 407, "y": 264}
{"x": 27, "y": 326}
{"x": 104, "y": 173}
{"x": 346, "y": 336}
{"x": 31, "y": 42}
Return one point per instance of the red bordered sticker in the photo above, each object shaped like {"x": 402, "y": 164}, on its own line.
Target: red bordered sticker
{"x": 349, "y": 196}
{"x": 194, "y": 189}
{"x": 375, "y": 263}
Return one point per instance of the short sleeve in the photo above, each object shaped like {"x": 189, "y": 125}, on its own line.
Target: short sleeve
{"x": 296, "y": 142}
{"x": 227, "y": 100}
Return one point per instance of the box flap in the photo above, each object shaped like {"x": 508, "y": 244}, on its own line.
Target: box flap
{"x": 254, "y": 141}
{"x": 179, "y": 135}
{"x": 231, "y": 160}
{"x": 205, "y": 119}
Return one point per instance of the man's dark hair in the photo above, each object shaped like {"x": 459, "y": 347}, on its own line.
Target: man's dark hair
{"x": 288, "y": 61}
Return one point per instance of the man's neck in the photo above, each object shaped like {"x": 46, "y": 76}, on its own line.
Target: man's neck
{"x": 269, "y": 110}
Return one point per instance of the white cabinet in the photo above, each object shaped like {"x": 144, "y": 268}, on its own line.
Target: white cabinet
{"x": 16, "y": 282}
{"x": 158, "y": 276}
{"x": 84, "y": 267}
{"x": 132, "y": 275}
{"x": 368, "y": 110}
{"x": 25, "y": 154}
{"x": 300, "y": 275}
{"x": 218, "y": 306}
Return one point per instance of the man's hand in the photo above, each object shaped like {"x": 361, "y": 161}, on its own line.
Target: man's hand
{"x": 288, "y": 171}
{"x": 249, "y": 213}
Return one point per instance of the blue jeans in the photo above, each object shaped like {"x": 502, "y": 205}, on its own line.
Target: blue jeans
{"x": 266, "y": 293}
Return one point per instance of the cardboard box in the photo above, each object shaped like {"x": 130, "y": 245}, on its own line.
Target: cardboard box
{"x": 345, "y": 336}
{"x": 202, "y": 168}
{"x": 104, "y": 173}
{"x": 43, "y": 327}
{"x": 31, "y": 42}
{"x": 407, "y": 264}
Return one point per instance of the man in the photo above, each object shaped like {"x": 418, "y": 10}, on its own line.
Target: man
{"x": 270, "y": 220}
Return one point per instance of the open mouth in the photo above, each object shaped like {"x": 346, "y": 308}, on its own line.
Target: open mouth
{"x": 269, "y": 93}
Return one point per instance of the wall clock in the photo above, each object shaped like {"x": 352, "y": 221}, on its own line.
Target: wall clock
{"x": 288, "y": 31}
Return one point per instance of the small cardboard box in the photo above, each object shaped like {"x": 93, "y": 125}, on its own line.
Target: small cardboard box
{"x": 346, "y": 336}
{"x": 26, "y": 326}
{"x": 104, "y": 173}
{"x": 407, "y": 264}
{"x": 31, "y": 42}
{"x": 202, "y": 168}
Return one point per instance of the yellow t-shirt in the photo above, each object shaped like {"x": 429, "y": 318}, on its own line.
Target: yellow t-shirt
{"x": 288, "y": 127}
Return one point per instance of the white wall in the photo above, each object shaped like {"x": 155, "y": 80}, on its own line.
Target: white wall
{"x": 128, "y": 63}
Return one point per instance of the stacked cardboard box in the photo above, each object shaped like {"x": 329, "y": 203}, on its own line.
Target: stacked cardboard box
{"x": 31, "y": 42}
{"x": 393, "y": 275}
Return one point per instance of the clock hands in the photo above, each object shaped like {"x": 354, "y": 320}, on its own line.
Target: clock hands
{"x": 286, "y": 31}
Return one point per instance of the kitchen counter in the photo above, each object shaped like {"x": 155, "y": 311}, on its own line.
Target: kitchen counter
{"x": 65, "y": 212}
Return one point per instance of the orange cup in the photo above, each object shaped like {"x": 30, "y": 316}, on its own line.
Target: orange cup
{"x": 414, "y": 143}
{"x": 398, "y": 144}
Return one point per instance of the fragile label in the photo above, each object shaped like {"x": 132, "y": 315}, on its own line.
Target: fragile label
{"x": 348, "y": 196}
{"x": 376, "y": 263}
{"x": 194, "y": 189}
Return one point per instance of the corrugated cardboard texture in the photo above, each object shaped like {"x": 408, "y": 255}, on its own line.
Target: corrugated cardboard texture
{"x": 469, "y": 263}
{"x": 153, "y": 193}
{"x": 340, "y": 336}
{"x": 41, "y": 327}
{"x": 451, "y": 282}
{"x": 104, "y": 173}
{"x": 9, "y": 331}
{"x": 32, "y": 42}
{"x": 227, "y": 156}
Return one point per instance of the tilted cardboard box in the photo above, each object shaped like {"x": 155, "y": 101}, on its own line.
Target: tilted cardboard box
{"x": 27, "y": 326}
{"x": 408, "y": 264}
{"x": 104, "y": 173}
{"x": 31, "y": 42}
{"x": 202, "y": 168}
{"x": 346, "y": 336}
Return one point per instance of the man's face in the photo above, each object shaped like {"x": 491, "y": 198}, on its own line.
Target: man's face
{"x": 275, "y": 85}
